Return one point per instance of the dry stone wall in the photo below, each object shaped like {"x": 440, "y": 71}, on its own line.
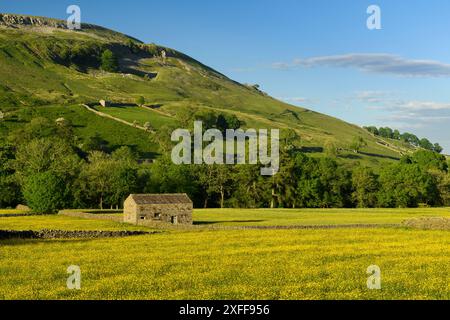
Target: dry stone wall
{"x": 63, "y": 234}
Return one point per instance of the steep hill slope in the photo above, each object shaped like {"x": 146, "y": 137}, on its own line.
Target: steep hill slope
{"x": 44, "y": 66}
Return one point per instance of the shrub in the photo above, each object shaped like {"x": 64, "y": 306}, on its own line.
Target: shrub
{"x": 45, "y": 192}
{"x": 140, "y": 101}
{"x": 109, "y": 61}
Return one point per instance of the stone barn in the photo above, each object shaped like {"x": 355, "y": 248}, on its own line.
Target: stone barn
{"x": 166, "y": 208}
{"x": 105, "y": 103}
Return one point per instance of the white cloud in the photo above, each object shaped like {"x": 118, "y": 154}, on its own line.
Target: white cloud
{"x": 383, "y": 100}
{"x": 423, "y": 105}
{"x": 414, "y": 117}
{"x": 371, "y": 96}
{"x": 375, "y": 63}
{"x": 403, "y": 114}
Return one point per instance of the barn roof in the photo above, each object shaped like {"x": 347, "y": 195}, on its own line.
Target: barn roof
{"x": 160, "y": 198}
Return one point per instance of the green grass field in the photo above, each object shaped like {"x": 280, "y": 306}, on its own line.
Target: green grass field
{"x": 13, "y": 211}
{"x": 57, "y": 222}
{"x": 308, "y": 217}
{"x": 204, "y": 263}
{"x": 87, "y": 124}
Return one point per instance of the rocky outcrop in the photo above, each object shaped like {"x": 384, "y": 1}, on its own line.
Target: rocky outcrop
{"x": 17, "y": 21}
{"x": 13, "y": 20}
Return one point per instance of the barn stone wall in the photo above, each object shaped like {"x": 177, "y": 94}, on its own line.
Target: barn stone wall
{"x": 174, "y": 213}
{"x": 129, "y": 211}
{"x": 166, "y": 213}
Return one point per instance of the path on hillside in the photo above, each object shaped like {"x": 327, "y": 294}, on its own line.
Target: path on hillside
{"x": 104, "y": 115}
{"x": 158, "y": 111}
{"x": 390, "y": 146}
{"x": 241, "y": 114}
{"x": 382, "y": 142}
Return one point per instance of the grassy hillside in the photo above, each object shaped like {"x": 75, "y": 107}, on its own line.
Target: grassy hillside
{"x": 48, "y": 69}
{"x": 87, "y": 124}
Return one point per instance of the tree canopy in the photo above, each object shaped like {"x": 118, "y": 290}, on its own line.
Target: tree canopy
{"x": 44, "y": 164}
{"x": 410, "y": 138}
{"x": 109, "y": 61}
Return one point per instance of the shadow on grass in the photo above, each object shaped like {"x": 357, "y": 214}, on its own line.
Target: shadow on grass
{"x": 143, "y": 155}
{"x": 26, "y": 242}
{"x": 311, "y": 149}
{"x": 15, "y": 120}
{"x": 379, "y": 155}
{"x": 200, "y": 223}
{"x": 13, "y": 237}
{"x": 139, "y": 73}
{"x": 350, "y": 156}
{"x": 104, "y": 211}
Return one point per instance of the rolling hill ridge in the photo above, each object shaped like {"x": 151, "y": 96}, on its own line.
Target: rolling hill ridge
{"x": 50, "y": 71}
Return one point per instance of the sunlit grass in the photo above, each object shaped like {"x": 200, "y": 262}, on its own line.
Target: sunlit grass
{"x": 252, "y": 264}
{"x": 58, "y": 222}
{"x": 202, "y": 263}
{"x": 286, "y": 217}
{"x": 13, "y": 211}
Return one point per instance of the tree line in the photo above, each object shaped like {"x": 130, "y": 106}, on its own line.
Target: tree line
{"x": 410, "y": 138}
{"x": 44, "y": 165}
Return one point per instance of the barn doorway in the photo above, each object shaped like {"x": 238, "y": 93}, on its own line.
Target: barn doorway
{"x": 174, "y": 220}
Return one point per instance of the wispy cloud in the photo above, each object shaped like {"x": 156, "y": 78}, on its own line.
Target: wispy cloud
{"x": 400, "y": 113}
{"x": 383, "y": 100}
{"x": 374, "y": 63}
{"x": 422, "y": 105}
{"x": 371, "y": 96}
{"x": 414, "y": 117}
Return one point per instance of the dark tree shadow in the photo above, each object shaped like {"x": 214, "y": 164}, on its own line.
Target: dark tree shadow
{"x": 155, "y": 106}
{"x": 350, "y": 156}
{"x": 379, "y": 155}
{"x": 139, "y": 73}
{"x": 311, "y": 149}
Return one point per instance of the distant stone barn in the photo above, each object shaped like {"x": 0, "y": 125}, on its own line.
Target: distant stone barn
{"x": 166, "y": 208}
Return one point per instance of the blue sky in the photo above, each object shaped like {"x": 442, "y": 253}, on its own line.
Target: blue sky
{"x": 317, "y": 53}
